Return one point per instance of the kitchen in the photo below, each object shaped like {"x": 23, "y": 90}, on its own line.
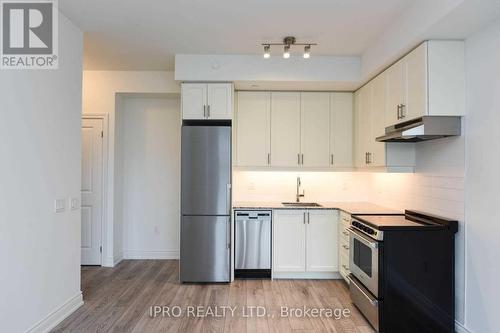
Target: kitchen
{"x": 289, "y": 180}
{"x": 314, "y": 131}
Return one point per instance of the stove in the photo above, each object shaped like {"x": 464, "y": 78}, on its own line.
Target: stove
{"x": 402, "y": 271}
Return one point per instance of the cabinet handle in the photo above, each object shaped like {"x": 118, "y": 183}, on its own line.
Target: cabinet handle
{"x": 304, "y": 218}
{"x": 331, "y": 159}
{"x": 370, "y": 158}
{"x": 366, "y": 158}
{"x": 345, "y": 267}
{"x": 345, "y": 247}
{"x": 268, "y": 159}
{"x": 398, "y": 111}
{"x": 204, "y": 111}
{"x": 302, "y": 157}
{"x": 208, "y": 111}
{"x": 308, "y": 218}
{"x": 298, "y": 159}
{"x": 403, "y": 113}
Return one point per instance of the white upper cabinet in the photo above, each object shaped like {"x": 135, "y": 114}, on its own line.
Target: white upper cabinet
{"x": 285, "y": 129}
{"x": 395, "y": 92}
{"x": 430, "y": 80}
{"x": 294, "y": 129}
{"x": 220, "y": 101}
{"x": 315, "y": 129}
{"x": 207, "y": 100}
{"x": 376, "y": 150}
{"x": 341, "y": 130}
{"x": 253, "y": 129}
{"x": 362, "y": 117}
{"x": 415, "y": 104}
{"x": 194, "y": 100}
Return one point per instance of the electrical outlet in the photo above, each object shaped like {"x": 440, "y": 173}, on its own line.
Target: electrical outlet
{"x": 60, "y": 205}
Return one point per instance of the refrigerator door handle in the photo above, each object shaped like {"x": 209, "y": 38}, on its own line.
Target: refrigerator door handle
{"x": 228, "y": 235}
{"x": 228, "y": 198}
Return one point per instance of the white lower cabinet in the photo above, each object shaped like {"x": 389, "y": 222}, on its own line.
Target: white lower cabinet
{"x": 344, "y": 244}
{"x": 289, "y": 241}
{"x": 305, "y": 242}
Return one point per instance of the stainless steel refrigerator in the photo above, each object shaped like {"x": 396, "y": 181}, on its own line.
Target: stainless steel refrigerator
{"x": 205, "y": 203}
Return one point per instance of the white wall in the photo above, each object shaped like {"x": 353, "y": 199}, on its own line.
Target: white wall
{"x": 101, "y": 94}
{"x": 150, "y": 140}
{"x": 482, "y": 193}
{"x": 40, "y": 161}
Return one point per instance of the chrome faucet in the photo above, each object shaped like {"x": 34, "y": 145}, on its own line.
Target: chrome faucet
{"x": 298, "y": 195}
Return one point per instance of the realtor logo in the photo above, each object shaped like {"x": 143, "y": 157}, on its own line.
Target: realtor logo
{"x": 29, "y": 34}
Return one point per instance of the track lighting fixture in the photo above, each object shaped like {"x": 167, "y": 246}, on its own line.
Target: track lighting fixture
{"x": 287, "y": 43}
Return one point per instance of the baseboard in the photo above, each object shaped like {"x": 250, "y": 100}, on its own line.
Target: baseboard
{"x": 307, "y": 275}
{"x": 140, "y": 254}
{"x": 58, "y": 315}
{"x": 459, "y": 328}
{"x": 108, "y": 262}
{"x": 117, "y": 259}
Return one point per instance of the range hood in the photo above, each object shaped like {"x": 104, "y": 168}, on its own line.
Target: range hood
{"x": 423, "y": 129}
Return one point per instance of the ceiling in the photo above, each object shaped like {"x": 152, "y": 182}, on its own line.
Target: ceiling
{"x": 146, "y": 34}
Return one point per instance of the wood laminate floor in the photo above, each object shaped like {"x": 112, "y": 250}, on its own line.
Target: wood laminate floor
{"x": 119, "y": 299}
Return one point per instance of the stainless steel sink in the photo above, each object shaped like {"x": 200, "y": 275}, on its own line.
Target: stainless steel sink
{"x": 300, "y": 204}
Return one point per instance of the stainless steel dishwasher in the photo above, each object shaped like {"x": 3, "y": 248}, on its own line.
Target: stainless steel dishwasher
{"x": 253, "y": 244}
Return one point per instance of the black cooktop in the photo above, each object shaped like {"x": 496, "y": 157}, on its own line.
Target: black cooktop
{"x": 410, "y": 220}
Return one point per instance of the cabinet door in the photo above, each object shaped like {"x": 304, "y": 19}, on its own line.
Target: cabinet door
{"x": 377, "y": 115}
{"x": 289, "y": 246}
{"x": 285, "y": 129}
{"x": 416, "y": 83}
{"x": 395, "y": 92}
{"x": 220, "y": 100}
{"x": 253, "y": 132}
{"x": 194, "y": 100}
{"x": 322, "y": 241}
{"x": 341, "y": 129}
{"x": 362, "y": 123}
{"x": 315, "y": 129}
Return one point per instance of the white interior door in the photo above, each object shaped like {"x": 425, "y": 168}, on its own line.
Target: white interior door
{"x": 92, "y": 190}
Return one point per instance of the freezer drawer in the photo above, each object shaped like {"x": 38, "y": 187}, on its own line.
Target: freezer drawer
{"x": 253, "y": 240}
{"x": 205, "y": 249}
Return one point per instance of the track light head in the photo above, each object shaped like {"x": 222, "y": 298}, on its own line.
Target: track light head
{"x": 267, "y": 51}
{"x": 307, "y": 52}
{"x": 286, "y": 52}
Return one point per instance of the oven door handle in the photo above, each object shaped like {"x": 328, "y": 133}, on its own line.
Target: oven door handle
{"x": 372, "y": 301}
{"x": 365, "y": 240}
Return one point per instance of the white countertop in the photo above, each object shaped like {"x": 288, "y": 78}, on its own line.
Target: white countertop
{"x": 352, "y": 208}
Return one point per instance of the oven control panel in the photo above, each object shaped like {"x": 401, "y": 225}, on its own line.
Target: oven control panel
{"x": 367, "y": 230}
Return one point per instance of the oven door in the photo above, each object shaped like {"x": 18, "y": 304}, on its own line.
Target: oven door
{"x": 363, "y": 260}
